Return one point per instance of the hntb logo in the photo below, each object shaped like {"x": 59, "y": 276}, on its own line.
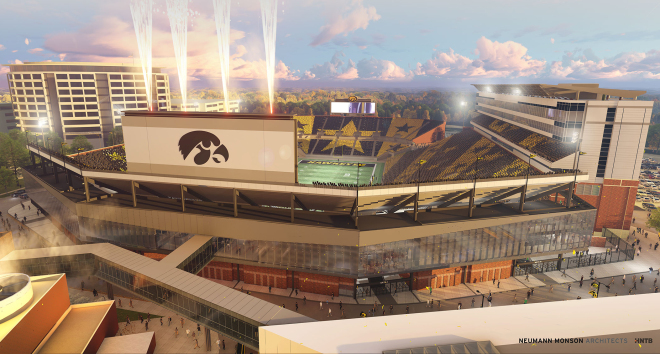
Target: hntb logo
{"x": 644, "y": 340}
{"x": 208, "y": 145}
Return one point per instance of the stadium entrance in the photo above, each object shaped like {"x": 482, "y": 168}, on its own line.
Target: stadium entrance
{"x": 339, "y": 172}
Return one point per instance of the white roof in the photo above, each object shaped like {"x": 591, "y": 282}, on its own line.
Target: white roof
{"x": 502, "y": 325}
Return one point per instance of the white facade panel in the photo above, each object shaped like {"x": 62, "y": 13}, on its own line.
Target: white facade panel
{"x": 623, "y": 151}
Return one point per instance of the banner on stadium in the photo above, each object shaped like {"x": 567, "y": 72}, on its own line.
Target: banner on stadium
{"x": 237, "y": 149}
{"x": 336, "y": 163}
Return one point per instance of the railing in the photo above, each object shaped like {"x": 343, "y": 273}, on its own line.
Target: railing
{"x": 58, "y": 155}
{"x": 624, "y": 252}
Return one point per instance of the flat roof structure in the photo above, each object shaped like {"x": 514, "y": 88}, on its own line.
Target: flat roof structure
{"x": 132, "y": 344}
{"x": 504, "y": 326}
{"x": 562, "y": 91}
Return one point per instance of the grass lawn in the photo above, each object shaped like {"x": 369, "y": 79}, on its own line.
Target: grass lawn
{"x": 12, "y": 186}
{"x": 133, "y": 315}
{"x": 311, "y": 172}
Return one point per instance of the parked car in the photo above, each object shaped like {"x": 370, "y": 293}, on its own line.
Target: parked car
{"x": 18, "y": 193}
{"x": 649, "y": 206}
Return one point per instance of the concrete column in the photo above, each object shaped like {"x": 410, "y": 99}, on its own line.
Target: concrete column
{"x": 235, "y": 203}
{"x": 293, "y": 206}
{"x": 183, "y": 198}
{"x": 570, "y": 195}
{"x": 416, "y": 205}
{"x": 207, "y": 338}
{"x": 471, "y": 206}
{"x": 521, "y": 207}
{"x": 133, "y": 194}
{"x": 86, "y": 183}
{"x": 111, "y": 294}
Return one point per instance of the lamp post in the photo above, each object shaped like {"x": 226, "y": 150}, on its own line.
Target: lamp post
{"x": 482, "y": 298}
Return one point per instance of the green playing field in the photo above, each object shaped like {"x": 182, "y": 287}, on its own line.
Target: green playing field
{"x": 338, "y": 172}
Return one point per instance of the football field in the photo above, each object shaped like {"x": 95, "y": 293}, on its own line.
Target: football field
{"x": 338, "y": 172}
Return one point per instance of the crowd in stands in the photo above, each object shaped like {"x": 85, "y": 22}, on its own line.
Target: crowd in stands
{"x": 548, "y": 148}
{"x": 108, "y": 159}
{"x": 455, "y": 158}
{"x": 349, "y": 185}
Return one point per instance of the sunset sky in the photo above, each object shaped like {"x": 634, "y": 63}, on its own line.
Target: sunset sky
{"x": 363, "y": 44}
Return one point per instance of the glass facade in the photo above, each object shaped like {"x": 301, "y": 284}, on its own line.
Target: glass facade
{"x": 524, "y": 239}
{"x": 56, "y": 209}
{"x": 178, "y": 301}
{"x": 198, "y": 259}
{"x": 94, "y": 230}
{"x": 567, "y": 117}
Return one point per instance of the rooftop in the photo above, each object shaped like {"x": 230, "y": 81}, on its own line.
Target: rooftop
{"x": 559, "y": 91}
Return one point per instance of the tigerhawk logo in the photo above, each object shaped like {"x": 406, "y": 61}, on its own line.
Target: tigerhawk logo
{"x": 208, "y": 145}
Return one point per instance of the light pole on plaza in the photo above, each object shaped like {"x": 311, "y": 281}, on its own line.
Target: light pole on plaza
{"x": 482, "y": 298}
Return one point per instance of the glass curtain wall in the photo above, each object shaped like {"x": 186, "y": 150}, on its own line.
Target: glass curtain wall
{"x": 51, "y": 205}
{"x": 525, "y": 239}
{"x": 94, "y": 230}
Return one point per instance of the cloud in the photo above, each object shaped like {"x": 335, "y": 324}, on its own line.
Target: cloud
{"x": 562, "y": 29}
{"x": 62, "y": 56}
{"x": 14, "y": 51}
{"x": 552, "y": 40}
{"x": 27, "y": 41}
{"x": 625, "y": 66}
{"x": 526, "y": 30}
{"x": 16, "y": 61}
{"x": 333, "y": 69}
{"x": 358, "y": 17}
{"x": 495, "y": 59}
{"x": 35, "y": 50}
{"x": 378, "y": 69}
{"x": 644, "y": 35}
{"x": 4, "y": 70}
{"x": 2, "y": 47}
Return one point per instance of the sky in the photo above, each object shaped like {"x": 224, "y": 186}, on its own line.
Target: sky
{"x": 383, "y": 44}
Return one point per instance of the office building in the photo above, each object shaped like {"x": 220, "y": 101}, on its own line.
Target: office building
{"x": 86, "y": 99}
{"x": 205, "y": 105}
{"x": 7, "y": 119}
{"x": 553, "y": 122}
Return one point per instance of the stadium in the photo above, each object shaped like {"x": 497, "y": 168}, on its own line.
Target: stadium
{"x": 348, "y": 206}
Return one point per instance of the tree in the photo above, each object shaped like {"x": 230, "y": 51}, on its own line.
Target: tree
{"x": 6, "y": 177}
{"x": 654, "y": 220}
{"x": 115, "y": 137}
{"x": 13, "y": 152}
{"x": 81, "y": 142}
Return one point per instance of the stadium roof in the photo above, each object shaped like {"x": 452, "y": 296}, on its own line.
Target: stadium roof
{"x": 562, "y": 91}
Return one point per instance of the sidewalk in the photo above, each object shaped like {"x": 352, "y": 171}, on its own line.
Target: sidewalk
{"x": 39, "y": 224}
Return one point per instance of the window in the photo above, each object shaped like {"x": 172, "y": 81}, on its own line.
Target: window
{"x": 127, "y": 77}
{"x": 118, "y": 106}
{"x": 116, "y": 92}
{"x": 161, "y": 91}
{"x": 117, "y": 99}
{"x": 160, "y": 84}
{"x": 90, "y": 92}
{"x": 61, "y": 76}
{"x": 141, "y": 92}
{"x": 67, "y": 114}
{"x": 79, "y": 106}
{"x": 28, "y": 84}
{"x": 41, "y": 99}
{"x": 21, "y": 99}
{"x": 43, "y": 114}
{"x": 129, "y": 84}
{"x": 88, "y": 76}
{"x": 23, "y": 107}
{"x": 23, "y": 114}
{"x": 80, "y": 114}
{"x": 33, "y": 114}
{"x": 76, "y": 92}
{"x": 611, "y": 113}
{"x": 88, "y": 84}
{"x": 36, "y": 76}
{"x": 160, "y": 77}
{"x": 41, "y": 107}
{"x": 130, "y": 98}
{"x": 81, "y": 121}
{"x": 78, "y": 99}
{"x": 142, "y": 98}
{"x": 92, "y": 106}
{"x": 139, "y": 84}
{"x": 90, "y": 99}
{"x": 19, "y": 84}
{"x": 74, "y": 76}
{"x": 38, "y": 92}
{"x": 20, "y": 92}
{"x": 115, "y": 84}
{"x": 142, "y": 105}
{"x": 76, "y": 84}
{"x": 92, "y": 114}
{"x": 131, "y": 105}
{"x": 65, "y": 107}
{"x": 38, "y": 84}
{"x": 29, "y": 92}
{"x": 129, "y": 92}
{"x": 27, "y": 99}
{"x": 115, "y": 77}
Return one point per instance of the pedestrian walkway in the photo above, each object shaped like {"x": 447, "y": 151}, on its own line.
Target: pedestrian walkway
{"x": 532, "y": 282}
{"x": 507, "y": 284}
{"x": 26, "y": 210}
{"x": 449, "y": 292}
{"x": 39, "y": 224}
{"x": 166, "y": 342}
{"x": 288, "y": 292}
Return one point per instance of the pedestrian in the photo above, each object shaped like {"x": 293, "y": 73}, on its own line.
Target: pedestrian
{"x": 283, "y": 306}
{"x": 95, "y": 293}
{"x": 223, "y": 344}
{"x": 515, "y": 297}
{"x": 532, "y": 291}
{"x": 646, "y": 235}
{"x": 128, "y": 321}
{"x": 569, "y": 288}
{"x": 320, "y": 305}
{"x": 304, "y": 300}
{"x": 428, "y": 302}
{"x": 296, "y": 306}
{"x": 23, "y": 205}
{"x": 333, "y": 295}
{"x": 24, "y": 219}
{"x": 407, "y": 309}
{"x": 269, "y": 288}
{"x": 199, "y": 329}
{"x": 525, "y": 301}
{"x": 529, "y": 293}
{"x": 29, "y": 207}
{"x": 340, "y": 304}
{"x": 330, "y": 312}
{"x": 391, "y": 309}
{"x": 655, "y": 290}
{"x": 551, "y": 287}
{"x": 634, "y": 285}
{"x": 141, "y": 319}
{"x": 581, "y": 281}
{"x": 161, "y": 322}
{"x": 641, "y": 279}
{"x": 490, "y": 301}
{"x": 82, "y": 285}
{"x": 146, "y": 326}
{"x": 193, "y": 334}
{"x": 459, "y": 305}
{"x": 169, "y": 320}
{"x": 431, "y": 303}
{"x": 383, "y": 312}
{"x": 217, "y": 342}
{"x": 296, "y": 292}
{"x": 498, "y": 284}
{"x": 119, "y": 300}
{"x": 196, "y": 344}
{"x": 655, "y": 281}
{"x": 493, "y": 280}
{"x": 148, "y": 316}
{"x": 630, "y": 291}
{"x": 624, "y": 279}
{"x": 130, "y": 303}
{"x": 527, "y": 277}
{"x": 591, "y": 274}
{"x": 176, "y": 332}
